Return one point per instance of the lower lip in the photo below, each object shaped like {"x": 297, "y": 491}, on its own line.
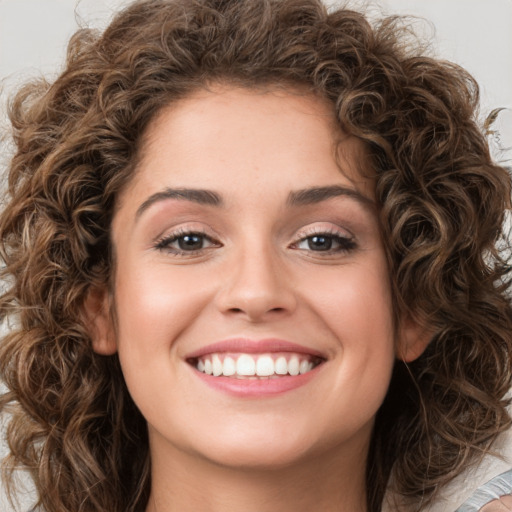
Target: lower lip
{"x": 257, "y": 387}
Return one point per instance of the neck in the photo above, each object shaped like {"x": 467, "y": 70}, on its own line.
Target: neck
{"x": 332, "y": 482}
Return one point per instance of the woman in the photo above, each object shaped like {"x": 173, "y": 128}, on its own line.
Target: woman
{"x": 252, "y": 253}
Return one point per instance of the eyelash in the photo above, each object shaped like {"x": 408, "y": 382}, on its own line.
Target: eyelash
{"x": 164, "y": 244}
{"x": 345, "y": 243}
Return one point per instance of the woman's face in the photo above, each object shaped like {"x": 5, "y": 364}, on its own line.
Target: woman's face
{"x": 242, "y": 247}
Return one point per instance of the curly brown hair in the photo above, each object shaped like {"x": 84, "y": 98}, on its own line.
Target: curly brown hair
{"x": 442, "y": 200}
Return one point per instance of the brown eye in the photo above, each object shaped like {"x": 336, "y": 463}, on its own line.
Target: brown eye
{"x": 319, "y": 243}
{"x": 191, "y": 242}
{"x": 325, "y": 242}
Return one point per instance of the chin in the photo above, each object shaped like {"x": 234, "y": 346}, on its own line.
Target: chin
{"x": 264, "y": 458}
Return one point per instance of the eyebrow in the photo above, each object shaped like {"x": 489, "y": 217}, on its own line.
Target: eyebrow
{"x": 200, "y": 196}
{"x": 316, "y": 195}
{"x": 302, "y": 197}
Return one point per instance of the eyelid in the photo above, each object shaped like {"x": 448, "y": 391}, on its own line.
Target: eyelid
{"x": 183, "y": 228}
{"x": 324, "y": 229}
{"x": 163, "y": 242}
{"x": 345, "y": 240}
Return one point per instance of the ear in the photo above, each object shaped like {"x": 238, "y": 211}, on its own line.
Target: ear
{"x": 97, "y": 309}
{"x": 414, "y": 339}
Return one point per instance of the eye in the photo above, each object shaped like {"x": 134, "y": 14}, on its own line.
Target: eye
{"x": 185, "y": 242}
{"x": 325, "y": 242}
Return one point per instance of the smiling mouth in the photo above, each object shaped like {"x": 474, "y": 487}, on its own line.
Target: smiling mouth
{"x": 255, "y": 366}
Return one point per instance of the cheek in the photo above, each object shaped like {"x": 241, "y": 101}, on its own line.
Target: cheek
{"x": 355, "y": 303}
{"x": 154, "y": 304}
{"x": 356, "y": 307}
{"x": 154, "y": 307}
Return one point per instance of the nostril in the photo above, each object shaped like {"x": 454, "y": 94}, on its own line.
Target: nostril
{"x": 271, "y": 310}
{"x": 253, "y": 302}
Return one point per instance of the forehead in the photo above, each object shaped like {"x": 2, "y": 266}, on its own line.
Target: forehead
{"x": 231, "y": 135}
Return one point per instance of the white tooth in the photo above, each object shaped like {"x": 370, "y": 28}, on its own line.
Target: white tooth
{"x": 245, "y": 365}
{"x": 293, "y": 366}
{"x": 208, "y": 367}
{"x": 264, "y": 366}
{"x": 304, "y": 366}
{"x": 229, "y": 367}
{"x": 281, "y": 366}
{"x": 200, "y": 365}
{"x": 216, "y": 365}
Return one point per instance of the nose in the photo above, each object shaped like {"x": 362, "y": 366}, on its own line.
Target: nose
{"x": 257, "y": 287}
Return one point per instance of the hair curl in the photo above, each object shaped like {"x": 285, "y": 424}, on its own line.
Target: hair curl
{"x": 442, "y": 202}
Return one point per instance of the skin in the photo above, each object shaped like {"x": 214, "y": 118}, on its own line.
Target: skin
{"x": 503, "y": 504}
{"x": 256, "y": 276}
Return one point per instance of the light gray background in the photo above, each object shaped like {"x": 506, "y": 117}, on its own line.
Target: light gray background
{"x": 474, "y": 33}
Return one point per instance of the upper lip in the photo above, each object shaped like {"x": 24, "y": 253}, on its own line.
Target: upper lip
{"x": 248, "y": 346}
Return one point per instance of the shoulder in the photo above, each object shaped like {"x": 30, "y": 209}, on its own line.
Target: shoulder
{"x": 489, "y": 479}
{"x": 481, "y": 484}
{"x": 492, "y": 491}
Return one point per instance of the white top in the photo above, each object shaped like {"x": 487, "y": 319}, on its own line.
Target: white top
{"x": 474, "y": 488}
